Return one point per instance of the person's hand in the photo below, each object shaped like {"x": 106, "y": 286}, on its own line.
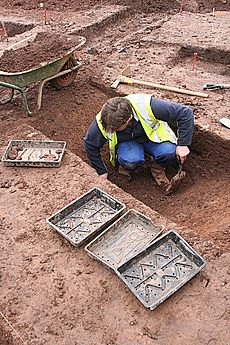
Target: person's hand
{"x": 104, "y": 176}
{"x": 182, "y": 152}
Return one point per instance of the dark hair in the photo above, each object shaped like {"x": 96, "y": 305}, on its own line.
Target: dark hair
{"x": 115, "y": 113}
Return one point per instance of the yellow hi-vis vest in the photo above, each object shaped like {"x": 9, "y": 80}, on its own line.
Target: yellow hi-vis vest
{"x": 156, "y": 130}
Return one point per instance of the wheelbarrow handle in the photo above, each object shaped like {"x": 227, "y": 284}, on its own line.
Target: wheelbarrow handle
{"x": 21, "y": 90}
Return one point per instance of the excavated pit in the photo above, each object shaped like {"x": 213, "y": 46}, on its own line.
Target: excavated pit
{"x": 16, "y": 28}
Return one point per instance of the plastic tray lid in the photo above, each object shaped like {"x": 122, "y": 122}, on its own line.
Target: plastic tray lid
{"x": 86, "y": 216}
{"x": 161, "y": 269}
{"x": 122, "y": 240}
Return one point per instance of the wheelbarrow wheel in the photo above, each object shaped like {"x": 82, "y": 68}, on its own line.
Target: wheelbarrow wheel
{"x": 66, "y": 79}
{"x": 6, "y": 94}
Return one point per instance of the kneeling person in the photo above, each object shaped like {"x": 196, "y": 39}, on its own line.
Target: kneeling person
{"x": 137, "y": 124}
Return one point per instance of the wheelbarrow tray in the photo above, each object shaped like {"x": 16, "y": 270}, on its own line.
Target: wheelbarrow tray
{"x": 123, "y": 239}
{"x": 45, "y": 70}
{"x": 161, "y": 269}
{"x": 86, "y": 216}
{"x": 34, "y": 153}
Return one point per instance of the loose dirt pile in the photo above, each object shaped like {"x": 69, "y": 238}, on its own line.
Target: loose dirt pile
{"x": 46, "y": 47}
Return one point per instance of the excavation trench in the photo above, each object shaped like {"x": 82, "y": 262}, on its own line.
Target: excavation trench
{"x": 16, "y": 28}
{"x": 202, "y": 200}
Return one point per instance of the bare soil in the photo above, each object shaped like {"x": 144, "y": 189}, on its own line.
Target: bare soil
{"x": 53, "y": 293}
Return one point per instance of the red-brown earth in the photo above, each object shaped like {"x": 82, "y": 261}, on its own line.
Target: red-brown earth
{"x": 52, "y": 293}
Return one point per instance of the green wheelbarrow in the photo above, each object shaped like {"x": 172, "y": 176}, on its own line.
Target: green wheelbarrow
{"x": 60, "y": 72}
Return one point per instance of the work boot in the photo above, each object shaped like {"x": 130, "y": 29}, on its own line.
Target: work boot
{"x": 124, "y": 172}
{"x": 158, "y": 173}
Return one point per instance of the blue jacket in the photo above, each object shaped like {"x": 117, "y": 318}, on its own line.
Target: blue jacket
{"x": 170, "y": 112}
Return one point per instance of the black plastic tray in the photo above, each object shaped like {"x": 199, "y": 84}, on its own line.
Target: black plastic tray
{"x": 34, "y": 153}
{"x": 161, "y": 269}
{"x": 86, "y": 216}
{"x": 122, "y": 240}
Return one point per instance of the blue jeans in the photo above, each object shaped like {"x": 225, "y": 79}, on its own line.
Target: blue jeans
{"x": 131, "y": 154}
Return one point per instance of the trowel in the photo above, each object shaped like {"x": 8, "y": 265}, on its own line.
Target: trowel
{"x": 176, "y": 180}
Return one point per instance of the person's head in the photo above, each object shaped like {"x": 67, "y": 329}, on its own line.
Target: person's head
{"x": 116, "y": 114}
